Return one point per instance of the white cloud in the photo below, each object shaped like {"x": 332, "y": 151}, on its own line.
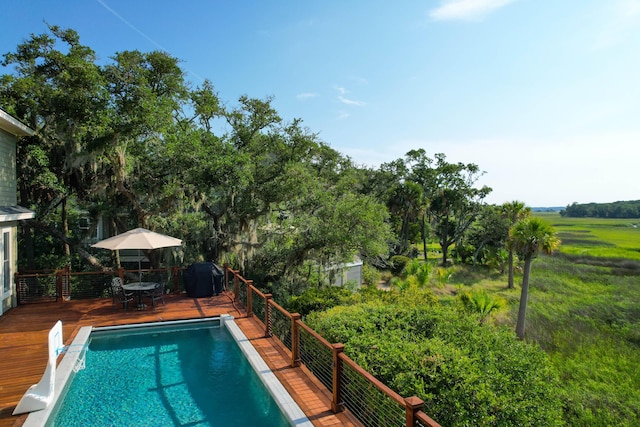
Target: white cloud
{"x": 351, "y": 101}
{"x": 466, "y": 9}
{"x": 347, "y": 101}
{"x": 306, "y": 95}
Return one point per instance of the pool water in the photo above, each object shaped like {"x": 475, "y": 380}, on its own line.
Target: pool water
{"x": 193, "y": 376}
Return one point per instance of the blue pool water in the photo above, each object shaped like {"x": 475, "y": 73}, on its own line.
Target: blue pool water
{"x": 193, "y": 376}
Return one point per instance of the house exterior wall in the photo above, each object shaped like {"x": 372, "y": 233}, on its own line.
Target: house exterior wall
{"x": 8, "y": 196}
{"x": 10, "y": 128}
{"x": 10, "y": 299}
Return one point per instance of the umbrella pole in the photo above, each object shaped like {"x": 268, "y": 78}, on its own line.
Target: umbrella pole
{"x": 139, "y": 266}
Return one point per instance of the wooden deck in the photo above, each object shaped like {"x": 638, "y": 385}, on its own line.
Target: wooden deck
{"x": 23, "y": 347}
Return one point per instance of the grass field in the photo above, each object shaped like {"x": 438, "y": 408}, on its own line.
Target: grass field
{"x": 584, "y": 311}
{"x": 597, "y": 237}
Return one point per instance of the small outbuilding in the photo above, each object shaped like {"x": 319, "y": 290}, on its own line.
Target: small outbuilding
{"x": 350, "y": 272}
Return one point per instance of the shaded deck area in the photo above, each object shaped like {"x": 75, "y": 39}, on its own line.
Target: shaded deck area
{"x": 23, "y": 347}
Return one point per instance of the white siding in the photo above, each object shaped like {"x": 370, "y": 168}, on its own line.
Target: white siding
{"x": 9, "y": 128}
{"x": 8, "y": 195}
{"x": 351, "y": 272}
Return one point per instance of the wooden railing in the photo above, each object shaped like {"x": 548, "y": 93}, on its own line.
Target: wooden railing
{"x": 351, "y": 387}
{"x": 64, "y": 285}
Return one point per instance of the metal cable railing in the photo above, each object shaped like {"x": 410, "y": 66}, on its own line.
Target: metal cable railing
{"x": 242, "y": 293}
{"x": 372, "y": 406}
{"x": 259, "y": 305}
{"x": 281, "y": 326}
{"x": 89, "y": 285}
{"x": 33, "y": 288}
{"x": 317, "y": 357}
{"x": 65, "y": 285}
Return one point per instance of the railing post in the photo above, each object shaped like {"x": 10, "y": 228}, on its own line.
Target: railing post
{"x": 412, "y": 405}
{"x": 267, "y": 315}
{"x": 336, "y": 401}
{"x": 295, "y": 340}
{"x": 121, "y": 273}
{"x": 225, "y": 267}
{"x": 235, "y": 286}
{"x": 59, "y": 285}
{"x": 66, "y": 283}
{"x": 175, "y": 279}
{"x": 249, "y": 298}
{"x": 16, "y": 280}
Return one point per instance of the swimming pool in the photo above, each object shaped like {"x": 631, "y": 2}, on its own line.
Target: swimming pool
{"x": 196, "y": 373}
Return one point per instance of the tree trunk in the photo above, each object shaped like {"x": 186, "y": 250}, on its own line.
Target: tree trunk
{"x": 404, "y": 235}
{"x": 444, "y": 242}
{"x": 65, "y": 227}
{"x": 510, "y": 285}
{"x": 27, "y": 233}
{"x": 445, "y": 250}
{"x": 424, "y": 238}
{"x": 524, "y": 295}
{"x": 475, "y": 255}
{"x": 65, "y": 240}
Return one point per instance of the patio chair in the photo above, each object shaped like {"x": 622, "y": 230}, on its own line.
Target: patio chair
{"x": 119, "y": 294}
{"x": 156, "y": 294}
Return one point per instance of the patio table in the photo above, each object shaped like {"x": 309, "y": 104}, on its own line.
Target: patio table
{"x": 140, "y": 287}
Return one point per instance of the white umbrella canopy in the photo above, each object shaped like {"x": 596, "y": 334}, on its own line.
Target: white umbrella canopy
{"x": 138, "y": 238}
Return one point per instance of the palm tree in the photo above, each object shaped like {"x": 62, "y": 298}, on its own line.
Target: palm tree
{"x": 418, "y": 272}
{"x": 513, "y": 211}
{"x": 528, "y": 238}
{"x": 481, "y": 303}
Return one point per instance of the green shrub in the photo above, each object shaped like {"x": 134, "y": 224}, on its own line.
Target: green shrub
{"x": 370, "y": 275}
{"x": 418, "y": 272}
{"x": 480, "y": 303}
{"x": 468, "y": 374}
{"x": 315, "y": 299}
{"x": 398, "y": 262}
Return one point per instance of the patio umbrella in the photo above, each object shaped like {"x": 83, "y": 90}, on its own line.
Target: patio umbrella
{"x": 138, "y": 238}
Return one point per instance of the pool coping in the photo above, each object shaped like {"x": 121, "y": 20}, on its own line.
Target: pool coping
{"x": 75, "y": 351}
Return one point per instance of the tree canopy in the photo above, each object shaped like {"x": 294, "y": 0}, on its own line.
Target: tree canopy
{"x": 130, "y": 142}
{"x": 620, "y": 209}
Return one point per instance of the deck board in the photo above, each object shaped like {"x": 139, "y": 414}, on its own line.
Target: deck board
{"x": 23, "y": 346}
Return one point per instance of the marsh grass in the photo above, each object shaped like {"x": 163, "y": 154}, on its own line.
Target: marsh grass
{"x": 597, "y": 237}
{"x": 588, "y": 321}
{"x": 584, "y": 311}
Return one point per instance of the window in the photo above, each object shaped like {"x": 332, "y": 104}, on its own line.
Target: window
{"x": 84, "y": 223}
{"x": 93, "y": 231}
{"x": 5, "y": 270}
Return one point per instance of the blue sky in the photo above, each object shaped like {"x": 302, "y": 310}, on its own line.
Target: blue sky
{"x": 543, "y": 95}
